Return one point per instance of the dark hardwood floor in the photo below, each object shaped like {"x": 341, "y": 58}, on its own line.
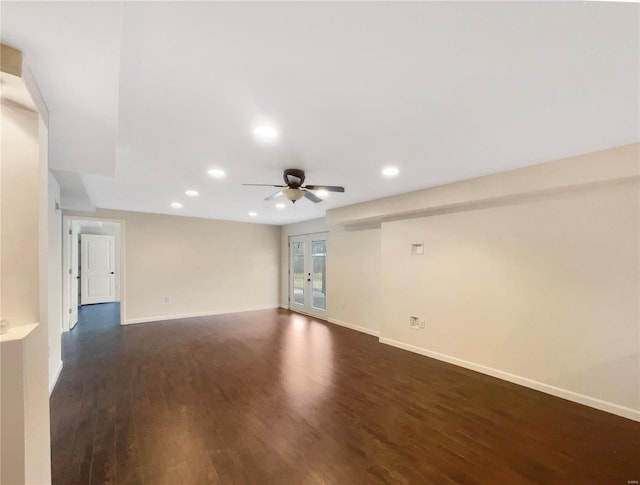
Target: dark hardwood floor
{"x": 272, "y": 397}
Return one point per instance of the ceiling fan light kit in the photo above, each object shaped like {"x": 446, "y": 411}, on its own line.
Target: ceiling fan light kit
{"x": 293, "y": 194}
{"x": 294, "y": 190}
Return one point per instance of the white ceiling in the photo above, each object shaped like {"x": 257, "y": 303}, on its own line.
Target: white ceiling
{"x": 145, "y": 97}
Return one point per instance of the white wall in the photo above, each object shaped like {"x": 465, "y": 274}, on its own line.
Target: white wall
{"x": 545, "y": 291}
{"x": 24, "y": 447}
{"x": 55, "y": 282}
{"x": 12, "y": 445}
{"x": 184, "y": 266}
{"x": 20, "y": 206}
{"x": 354, "y": 286}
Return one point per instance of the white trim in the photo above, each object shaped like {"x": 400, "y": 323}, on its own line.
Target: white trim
{"x": 593, "y": 402}
{"x": 52, "y": 383}
{"x": 286, "y": 307}
{"x": 210, "y": 313}
{"x": 358, "y": 328}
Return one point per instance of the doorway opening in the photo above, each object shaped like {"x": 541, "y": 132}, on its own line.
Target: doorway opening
{"x": 308, "y": 274}
{"x": 93, "y": 262}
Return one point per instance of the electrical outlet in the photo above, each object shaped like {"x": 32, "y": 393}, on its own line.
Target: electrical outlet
{"x": 416, "y": 322}
{"x": 166, "y": 299}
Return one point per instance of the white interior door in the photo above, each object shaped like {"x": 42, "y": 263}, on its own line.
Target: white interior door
{"x": 73, "y": 275}
{"x": 308, "y": 274}
{"x": 97, "y": 269}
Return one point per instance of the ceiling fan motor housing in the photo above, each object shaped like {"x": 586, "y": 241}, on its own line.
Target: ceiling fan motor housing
{"x": 293, "y": 177}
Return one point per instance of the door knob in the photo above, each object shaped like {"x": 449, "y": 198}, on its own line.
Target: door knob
{"x": 308, "y": 279}
{"x": 112, "y": 272}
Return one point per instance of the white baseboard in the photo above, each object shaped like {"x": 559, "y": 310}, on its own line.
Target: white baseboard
{"x": 593, "y": 402}
{"x": 54, "y": 381}
{"x": 211, "y": 313}
{"x": 366, "y": 330}
{"x": 286, "y": 307}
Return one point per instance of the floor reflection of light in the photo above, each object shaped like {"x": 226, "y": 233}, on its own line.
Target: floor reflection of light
{"x": 307, "y": 363}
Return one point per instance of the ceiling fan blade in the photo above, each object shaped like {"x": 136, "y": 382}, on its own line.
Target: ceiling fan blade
{"x": 328, "y": 188}
{"x": 312, "y": 197}
{"x": 275, "y": 196}
{"x": 265, "y": 185}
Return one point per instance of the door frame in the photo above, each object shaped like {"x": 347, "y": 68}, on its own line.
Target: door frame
{"x": 322, "y": 314}
{"x": 66, "y": 265}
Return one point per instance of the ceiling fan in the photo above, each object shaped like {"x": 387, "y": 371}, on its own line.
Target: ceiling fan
{"x": 294, "y": 190}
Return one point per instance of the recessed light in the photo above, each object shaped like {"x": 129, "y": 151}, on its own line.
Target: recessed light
{"x": 390, "y": 171}
{"x": 192, "y": 193}
{"x": 280, "y": 206}
{"x": 216, "y": 173}
{"x": 253, "y": 214}
{"x": 322, "y": 193}
{"x": 266, "y": 133}
{"x": 176, "y": 205}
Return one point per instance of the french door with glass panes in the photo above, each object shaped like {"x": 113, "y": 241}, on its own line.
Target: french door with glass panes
{"x": 308, "y": 274}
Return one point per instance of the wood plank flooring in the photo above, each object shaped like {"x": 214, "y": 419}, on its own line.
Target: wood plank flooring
{"x": 272, "y": 397}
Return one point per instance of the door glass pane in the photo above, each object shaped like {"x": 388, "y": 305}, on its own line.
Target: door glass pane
{"x": 319, "y": 275}
{"x": 297, "y": 263}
